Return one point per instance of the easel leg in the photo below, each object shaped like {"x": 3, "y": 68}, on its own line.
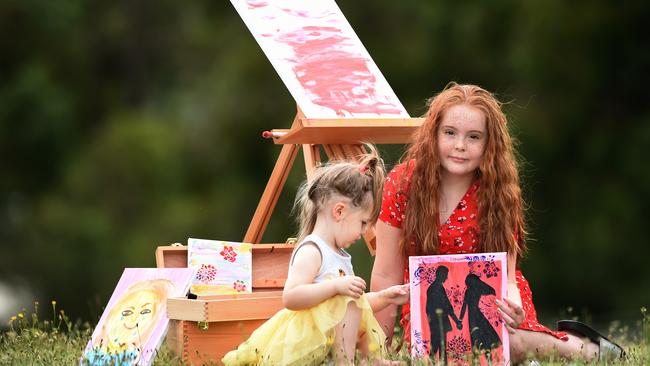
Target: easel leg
{"x": 271, "y": 194}
{"x": 311, "y": 153}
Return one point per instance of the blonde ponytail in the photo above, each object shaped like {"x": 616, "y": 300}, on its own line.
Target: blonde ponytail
{"x": 347, "y": 178}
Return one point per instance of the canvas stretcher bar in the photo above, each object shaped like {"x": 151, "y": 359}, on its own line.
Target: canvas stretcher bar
{"x": 348, "y": 131}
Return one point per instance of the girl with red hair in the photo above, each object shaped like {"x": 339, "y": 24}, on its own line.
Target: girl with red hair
{"x": 457, "y": 191}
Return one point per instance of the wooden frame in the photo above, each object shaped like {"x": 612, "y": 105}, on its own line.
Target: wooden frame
{"x": 348, "y": 131}
{"x": 341, "y": 140}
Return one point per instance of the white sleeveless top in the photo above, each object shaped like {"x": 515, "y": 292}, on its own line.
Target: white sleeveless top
{"x": 333, "y": 264}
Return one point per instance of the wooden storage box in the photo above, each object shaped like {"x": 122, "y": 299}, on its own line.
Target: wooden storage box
{"x": 203, "y": 330}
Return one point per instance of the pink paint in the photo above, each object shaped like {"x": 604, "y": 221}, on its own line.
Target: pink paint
{"x": 296, "y": 13}
{"x": 334, "y": 77}
{"x": 256, "y": 4}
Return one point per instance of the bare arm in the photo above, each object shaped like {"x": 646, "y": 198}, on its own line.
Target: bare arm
{"x": 387, "y": 271}
{"x": 394, "y": 295}
{"x": 513, "y": 290}
{"x": 300, "y": 291}
{"x": 511, "y": 310}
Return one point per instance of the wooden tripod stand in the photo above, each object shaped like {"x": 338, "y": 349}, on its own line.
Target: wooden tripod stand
{"x": 341, "y": 140}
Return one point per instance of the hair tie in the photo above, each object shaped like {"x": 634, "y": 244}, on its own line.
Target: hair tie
{"x": 363, "y": 168}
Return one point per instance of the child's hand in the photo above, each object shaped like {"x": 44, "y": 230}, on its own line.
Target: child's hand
{"x": 350, "y": 286}
{"x": 398, "y": 294}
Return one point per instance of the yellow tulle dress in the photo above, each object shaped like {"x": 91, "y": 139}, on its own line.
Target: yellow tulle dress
{"x": 305, "y": 337}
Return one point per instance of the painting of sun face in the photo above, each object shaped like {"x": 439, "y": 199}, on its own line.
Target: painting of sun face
{"x": 136, "y": 314}
{"x": 135, "y": 320}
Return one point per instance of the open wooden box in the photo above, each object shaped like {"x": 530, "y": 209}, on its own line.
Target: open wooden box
{"x": 203, "y": 330}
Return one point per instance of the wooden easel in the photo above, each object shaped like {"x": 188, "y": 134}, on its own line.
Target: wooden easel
{"x": 340, "y": 139}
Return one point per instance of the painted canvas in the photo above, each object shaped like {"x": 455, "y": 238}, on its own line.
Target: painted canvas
{"x": 223, "y": 267}
{"x": 454, "y": 317}
{"x": 135, "y": 321}
{"x": 319, "y": 58}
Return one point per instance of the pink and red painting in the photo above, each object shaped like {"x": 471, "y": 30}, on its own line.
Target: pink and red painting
{"x": 320, "y": 59}
{"x": 454, "y": 316}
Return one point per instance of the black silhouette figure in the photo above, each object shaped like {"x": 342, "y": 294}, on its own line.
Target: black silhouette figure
{"x": 482, "y": 334}
{"x": 439, "y": 310}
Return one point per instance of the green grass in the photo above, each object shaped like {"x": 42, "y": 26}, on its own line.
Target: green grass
{"x": 31, "y": 340}
{"x": 53, "y": 341}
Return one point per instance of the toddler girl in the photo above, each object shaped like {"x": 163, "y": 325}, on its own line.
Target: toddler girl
{"x": 326, "y": 307}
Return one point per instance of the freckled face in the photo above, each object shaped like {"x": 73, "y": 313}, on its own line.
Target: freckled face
{"x": 461, "y": 140}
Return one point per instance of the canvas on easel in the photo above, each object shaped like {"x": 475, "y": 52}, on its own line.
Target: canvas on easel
{"x": 319, "y": 58}
{"x": 454, "y": 316}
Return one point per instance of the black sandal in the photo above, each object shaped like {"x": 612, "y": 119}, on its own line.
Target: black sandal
{"x": 608, "y": 350}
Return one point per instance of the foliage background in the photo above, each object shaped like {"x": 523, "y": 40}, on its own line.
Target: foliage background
{"x": 130, "y": 124}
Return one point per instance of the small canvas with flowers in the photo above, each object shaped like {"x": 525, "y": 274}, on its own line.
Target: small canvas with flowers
{"x": 222, "y": 267}
{"x": 454, "y": 316}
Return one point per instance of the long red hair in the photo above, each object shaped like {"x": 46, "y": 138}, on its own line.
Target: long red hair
{"x": 501, "y": 210}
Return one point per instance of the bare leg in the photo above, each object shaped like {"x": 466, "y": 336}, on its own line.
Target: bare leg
{"x": 526, "y": 344}
{"x": 363, "y": 348}
{"x": 345, "y": 340}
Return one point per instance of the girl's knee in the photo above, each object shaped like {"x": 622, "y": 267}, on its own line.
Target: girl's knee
{"x": 352, "y": 316}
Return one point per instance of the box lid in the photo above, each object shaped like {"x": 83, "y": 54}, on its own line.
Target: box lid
{"x": 258, "y": 305}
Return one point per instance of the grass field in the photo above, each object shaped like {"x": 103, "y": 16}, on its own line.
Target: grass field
{"x": 52, "y": 339}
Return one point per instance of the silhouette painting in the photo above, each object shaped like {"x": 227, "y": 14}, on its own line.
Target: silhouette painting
{"x": 135, "y": 320}
{"x": 454, "y": 317}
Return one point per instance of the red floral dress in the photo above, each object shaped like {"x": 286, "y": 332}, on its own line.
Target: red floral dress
{"x": 458, "y": 235}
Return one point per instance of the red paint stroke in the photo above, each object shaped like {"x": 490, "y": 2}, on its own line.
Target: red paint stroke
{"x": 256, "y": 4}
{"x": 332, "y": 76}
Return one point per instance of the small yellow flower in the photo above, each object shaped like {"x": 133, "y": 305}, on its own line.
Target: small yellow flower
{"x": 13, "y": 318}
{"x": 53, "y": 302}
{"x": 20, "y": 315}
{"x": 373, "y": 347}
